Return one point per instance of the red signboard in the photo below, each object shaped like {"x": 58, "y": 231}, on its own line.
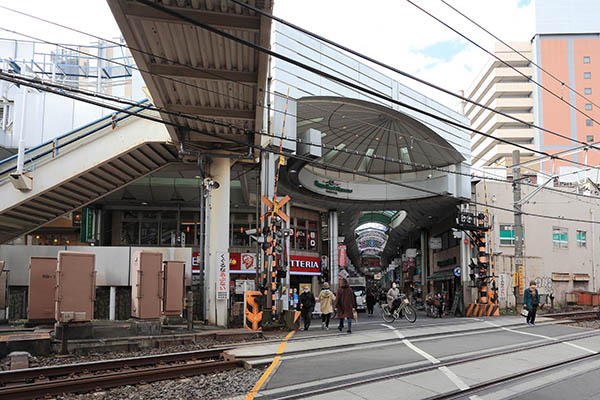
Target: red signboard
{"x": 300, "y": 265}
{"x": 242, "y": 263}
{"x": 342, "y": 255}
{"x": 195, "y": 262}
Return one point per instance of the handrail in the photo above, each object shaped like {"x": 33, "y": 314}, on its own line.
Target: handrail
{"x": 53, "y": 146}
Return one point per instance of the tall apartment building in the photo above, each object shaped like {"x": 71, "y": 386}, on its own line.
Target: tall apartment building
{"x": 504, "y": 89}
{"x": 566, "y": 46}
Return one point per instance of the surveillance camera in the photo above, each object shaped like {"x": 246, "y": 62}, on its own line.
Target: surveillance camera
{"x": 210, "y": 184}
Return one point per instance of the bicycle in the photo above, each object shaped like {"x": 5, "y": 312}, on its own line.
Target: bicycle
{"x": 405, "y": 309}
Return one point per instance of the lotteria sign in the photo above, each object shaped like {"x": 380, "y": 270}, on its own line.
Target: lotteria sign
{"x": 300, "y": 265}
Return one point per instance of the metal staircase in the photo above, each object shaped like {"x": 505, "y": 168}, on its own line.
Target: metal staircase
{"x": 80, "y": 167}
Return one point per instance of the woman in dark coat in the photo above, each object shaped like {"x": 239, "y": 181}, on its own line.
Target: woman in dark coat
{"x": 345, "y": 304}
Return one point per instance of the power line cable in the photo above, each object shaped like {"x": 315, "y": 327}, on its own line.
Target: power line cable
{"x": 405, "y": 74}
{"x": 516, "y": 51}
{"x": 217, "y": 75}
{"x": 349, "y": 151}
{"x": 517, "y": 71}
{"x": 269, "y": 150}
{"x": 343, "y": 81}
{"x": 78, "y": 50}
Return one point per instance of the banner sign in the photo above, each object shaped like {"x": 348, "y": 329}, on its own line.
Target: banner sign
{"x": 222, "y": 276}
{"x": 342, "y": 256}
{"x": 301, "y": 265}
{"x": 195, "y": 262}
{"x": 242, "y": 263}
{"x": 502, "y": 289}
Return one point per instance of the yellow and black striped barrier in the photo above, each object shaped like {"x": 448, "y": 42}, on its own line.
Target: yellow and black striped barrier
{"x": 482, "y": 310}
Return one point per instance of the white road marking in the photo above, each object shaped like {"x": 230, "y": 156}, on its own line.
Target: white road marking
{"x": 455, "y": 379}
{"x": 421, "y": 352}
{"x": 543, "y": 337}
{"x": 581, "y": 348}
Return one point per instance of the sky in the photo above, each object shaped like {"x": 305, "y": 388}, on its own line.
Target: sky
{"x": 392, "y": 31}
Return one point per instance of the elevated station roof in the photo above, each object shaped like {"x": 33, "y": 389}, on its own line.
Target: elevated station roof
{"x": 193, "y": 71}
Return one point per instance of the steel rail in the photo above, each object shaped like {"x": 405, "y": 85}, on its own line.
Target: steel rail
{"x": 111, "y": 380}
{"x": 349, "y": 383}
{"x": 456, "y": 394}
{"x": 21, "y": 375}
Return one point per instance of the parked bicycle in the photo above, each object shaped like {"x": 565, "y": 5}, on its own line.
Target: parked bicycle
{"x": 404, "y": 309}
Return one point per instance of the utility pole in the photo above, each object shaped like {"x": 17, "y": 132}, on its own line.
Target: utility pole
{"x": 519, "y": 251}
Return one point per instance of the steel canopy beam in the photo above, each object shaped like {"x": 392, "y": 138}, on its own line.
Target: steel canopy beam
{"x": 183, "y": 71}
{"x": 223, "y": 20}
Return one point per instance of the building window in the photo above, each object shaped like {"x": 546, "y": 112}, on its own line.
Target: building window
{"x": 587, "y": 90}
{"x": 588, "y": 107}
{"x": 507, "y": 235}
{"x": 239, "y": 224}
{"x": 586, "y": 59}
{"x": 589, "y": 122}
{"x": 560, "y": 238}
{"x": 589, "y": 138}
{"x": 581, "y": 239}
{"x": 587, "y": 75}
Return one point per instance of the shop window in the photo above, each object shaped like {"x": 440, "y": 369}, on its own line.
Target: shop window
{"x": 301, "y": 235}
{"x": 507, "y": 235}
{"x": 167, "y": 229}
{"x": 581, "y": 239}
{"x": 239, "y": 238}
{"x": 130, "y": 231}
{"x": 149, "y": 232}
{"x": 560, "y": 238}
{"x": 587, "y": 59}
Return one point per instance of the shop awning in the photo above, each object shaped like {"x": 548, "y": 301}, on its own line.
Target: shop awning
{"x": 441, "y": 275}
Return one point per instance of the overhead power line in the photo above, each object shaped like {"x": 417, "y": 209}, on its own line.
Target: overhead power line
{"x": 589, "y": 145}
{"x": 308, "y": 160}
{"x": 516, "y": 70}
{"x": 197, "y": 118}
{"x": 406, "y": 74}
{"x": 517, "y": 52}
{"x": 340, "y": 80}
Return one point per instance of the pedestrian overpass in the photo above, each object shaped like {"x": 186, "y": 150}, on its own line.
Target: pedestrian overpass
{"x": 80, "y": 167}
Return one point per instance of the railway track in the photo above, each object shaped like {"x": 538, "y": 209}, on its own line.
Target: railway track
{"x": 350, "y": 383}
{"x": 84, "y": 377}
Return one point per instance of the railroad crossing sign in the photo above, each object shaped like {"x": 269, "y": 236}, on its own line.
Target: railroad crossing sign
{"x": 274, "y": 207}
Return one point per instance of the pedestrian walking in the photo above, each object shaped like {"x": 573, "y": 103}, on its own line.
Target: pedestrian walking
{"x": 326, "y": 299}
{"x": 345, "y": 303}
{"x": 307, "y": 304}
{"x": 531, "y": 300}
{"x": 370, "y": 302}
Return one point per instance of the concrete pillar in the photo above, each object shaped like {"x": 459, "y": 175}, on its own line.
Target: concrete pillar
{"x": 217, "y": 240}
{"x": 333, "y": 250}
{"x": 112, "y": 304}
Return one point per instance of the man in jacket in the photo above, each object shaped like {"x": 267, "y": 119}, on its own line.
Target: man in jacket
{"x": 326, "y": 299}
{"x": 307, "y": 304}
{"x": 531, "y": 300}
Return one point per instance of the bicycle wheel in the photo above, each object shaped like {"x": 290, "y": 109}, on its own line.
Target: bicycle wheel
{"x": 410, "y": 313}
{"x": 387, "y": 316}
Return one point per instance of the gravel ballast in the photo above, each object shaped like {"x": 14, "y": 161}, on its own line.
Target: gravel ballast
{"x": 210, "y": 386}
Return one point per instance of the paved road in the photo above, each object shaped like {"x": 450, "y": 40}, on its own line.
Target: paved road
{"x": 429, "y": 357}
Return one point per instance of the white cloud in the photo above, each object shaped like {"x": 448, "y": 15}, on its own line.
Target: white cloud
{"x": 395, "y": 32}
{"x": 392, "y": 31}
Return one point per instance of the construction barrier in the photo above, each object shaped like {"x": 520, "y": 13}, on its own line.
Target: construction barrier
{"x": 482, "y": 310}
{"x": 253, "y": 310}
